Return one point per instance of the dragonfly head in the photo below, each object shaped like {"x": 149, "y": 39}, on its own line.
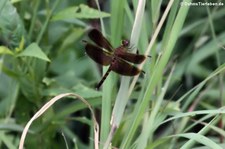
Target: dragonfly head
{"x": 125, "y": 43}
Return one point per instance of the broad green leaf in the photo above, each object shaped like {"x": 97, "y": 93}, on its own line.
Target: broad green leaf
{"x": 82, "y": 12}
{"x": 5, "y": 50}
{"x": 11, "y": 25}
{"x": 86, "y": 92}
{"x": 80, "y": 89}
{"x": 15, "y": 1}
{"x": 54, "y": 91}
{"x": 33, "y": 50}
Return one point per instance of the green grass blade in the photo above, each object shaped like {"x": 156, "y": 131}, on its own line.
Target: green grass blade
{"x": 122, "y": 96}
{"x": 147, "y": 133}
{"x": 156, "y": 76}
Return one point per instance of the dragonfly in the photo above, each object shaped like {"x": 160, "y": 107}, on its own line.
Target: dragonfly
{"x": 118, "y": 59}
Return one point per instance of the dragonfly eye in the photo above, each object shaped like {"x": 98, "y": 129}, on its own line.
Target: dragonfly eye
{"x": 125, "y": 43}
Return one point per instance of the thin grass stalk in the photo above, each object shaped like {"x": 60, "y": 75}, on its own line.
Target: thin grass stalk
{"x": 117, "y": 21}
{"x": 101, "y": 20}
{"x": 208, "y": 143}
{"x": 122, "y": 96}
{"x": 157, "y": 74}
{"x": 192, "y": 93}
{"x": 152, "y": 41}
{"x": 209, "y": 48}
{"x": 147, "y": 134}
{"x": 194, "y": 113}
{"x": 106, "y": 96}
{"x": 197, "y": 122}
{"x": 31, "y": 29}
{"x": 220, "y": 76}
{"x": 43, "y": 29}
{"x": 203, "y": 131}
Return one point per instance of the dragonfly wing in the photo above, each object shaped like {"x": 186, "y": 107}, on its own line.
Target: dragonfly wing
{"x": 122, "y": 53}
{"x": 124, "y": 68}
{"x": 131, "y": 57}
{"x": 98, "y": 55}
{"x": 100, "y": 40}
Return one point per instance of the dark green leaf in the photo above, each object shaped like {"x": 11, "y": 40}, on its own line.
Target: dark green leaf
{"x": 82, "y": 12}
{"x": 33, "y": 50}
{"x": 86, "y": 92}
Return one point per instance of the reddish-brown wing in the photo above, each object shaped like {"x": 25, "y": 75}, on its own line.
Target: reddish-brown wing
{"x": 100, "y": 40}
{"x": 131, "y": 57}
{"x": 124, "y": 68}
{"x": 98, "y": 55}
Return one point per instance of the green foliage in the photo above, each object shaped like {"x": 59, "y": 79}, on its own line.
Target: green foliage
{"x": 5, "y": 50}
{"x": 34, "y": 51}
{"x": 81, "y": 12}
{"x": 178, "y": 103}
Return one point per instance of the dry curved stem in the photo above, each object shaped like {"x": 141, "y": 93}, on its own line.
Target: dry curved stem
{"x": 49, "y": 104}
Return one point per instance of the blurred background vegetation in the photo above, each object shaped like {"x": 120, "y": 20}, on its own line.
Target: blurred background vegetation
{"x": 41, "y": 56}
